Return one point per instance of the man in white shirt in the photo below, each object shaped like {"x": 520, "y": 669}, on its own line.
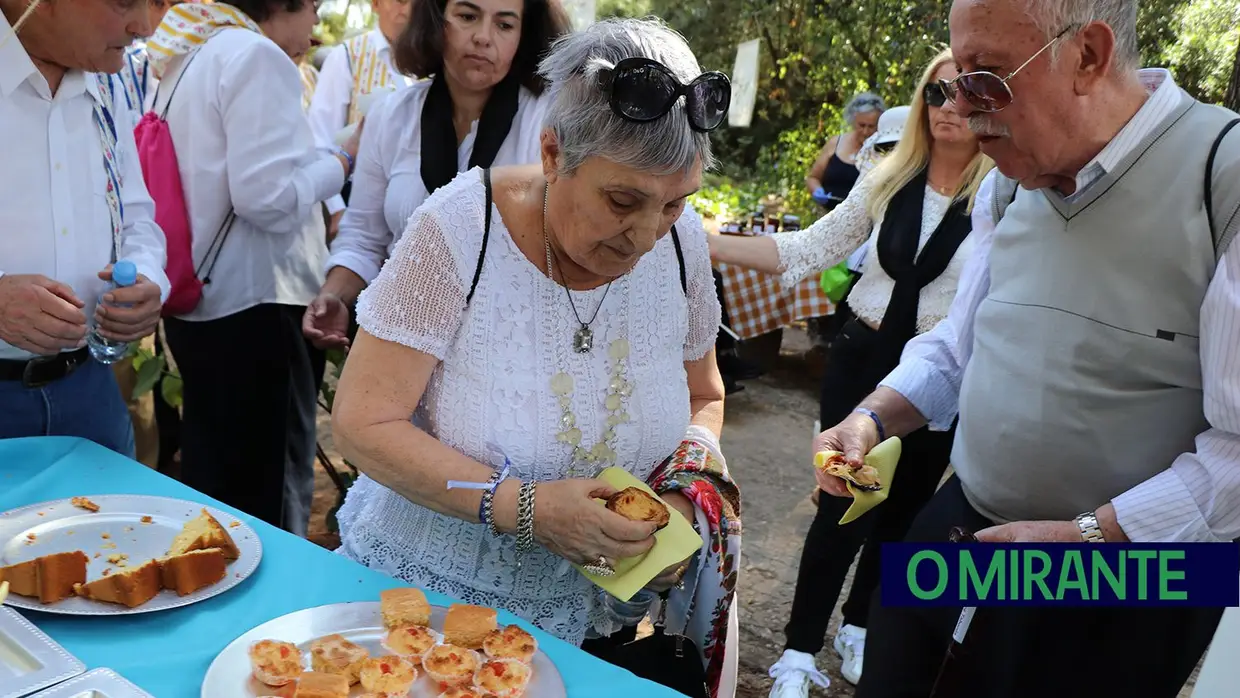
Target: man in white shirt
{"x": 72, "y": 201}
{"x": 1090, "y": 352}
{"x": 357, "y": 67}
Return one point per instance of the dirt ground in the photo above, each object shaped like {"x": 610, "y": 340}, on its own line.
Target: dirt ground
{"x": 766, "y": 438}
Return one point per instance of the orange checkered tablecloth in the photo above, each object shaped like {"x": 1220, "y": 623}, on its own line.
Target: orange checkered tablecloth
{"x": 758, "y": 303}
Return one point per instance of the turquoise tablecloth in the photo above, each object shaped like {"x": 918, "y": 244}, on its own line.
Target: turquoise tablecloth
{"x": 167, "y": 653}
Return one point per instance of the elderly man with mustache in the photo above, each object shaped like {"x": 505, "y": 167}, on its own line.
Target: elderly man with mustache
{"x": 1090, "y": 353}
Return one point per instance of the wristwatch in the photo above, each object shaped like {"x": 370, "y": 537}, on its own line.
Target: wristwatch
{"x": 1091, "y": 532}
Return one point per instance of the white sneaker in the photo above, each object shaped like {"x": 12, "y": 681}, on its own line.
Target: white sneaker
{"x": 793, "y": 674}
{"x": 850, "y": 643}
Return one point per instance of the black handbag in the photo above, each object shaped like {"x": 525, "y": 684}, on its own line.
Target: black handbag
{"x": 669, "y": 660}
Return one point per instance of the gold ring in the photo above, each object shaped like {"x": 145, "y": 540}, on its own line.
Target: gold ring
{"x": 599, "y": 568}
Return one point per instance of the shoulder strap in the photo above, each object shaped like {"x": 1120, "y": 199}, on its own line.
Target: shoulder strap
{"x": 680, "y": 260}
{"x": 163, "y": 115}
{"x": 1222, "y": 238}
{"x": 486, "y": 235}
{"x": 1004, "y": 195}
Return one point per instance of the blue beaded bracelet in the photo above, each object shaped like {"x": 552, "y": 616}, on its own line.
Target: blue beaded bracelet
{"x": 882, "y": 433}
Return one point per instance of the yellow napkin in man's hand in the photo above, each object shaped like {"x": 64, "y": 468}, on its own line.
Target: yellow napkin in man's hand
{"x": 884, "y": 458}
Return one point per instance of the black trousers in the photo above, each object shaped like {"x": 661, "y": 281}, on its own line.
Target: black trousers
{"x": 829, "y": 547}
{"x": 248, "y": 423}
{"x": 1030, "y": 652}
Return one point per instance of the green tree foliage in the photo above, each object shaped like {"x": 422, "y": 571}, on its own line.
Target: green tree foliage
{"x": 817, "y": 53}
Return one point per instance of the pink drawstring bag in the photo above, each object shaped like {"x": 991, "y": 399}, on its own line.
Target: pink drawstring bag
{"x": 161, "y": 171}
{"x": 163, "y": 182}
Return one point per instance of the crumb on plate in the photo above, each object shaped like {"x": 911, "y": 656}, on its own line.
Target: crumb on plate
{"x": 146, "y": 519}
{"x": 84, "y": 503}
{"x": 105, "y": 535}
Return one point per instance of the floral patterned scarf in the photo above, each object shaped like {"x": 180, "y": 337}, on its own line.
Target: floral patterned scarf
{"x": 699, "y": 609}
{"x": 187, "y": 26}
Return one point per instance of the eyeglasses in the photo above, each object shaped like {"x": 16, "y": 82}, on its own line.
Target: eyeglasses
{"x": 987, "y": 92}
{"x": 642, "y": 90}
{"x": 884, "y": 148}
{"x": 934, "y": 95}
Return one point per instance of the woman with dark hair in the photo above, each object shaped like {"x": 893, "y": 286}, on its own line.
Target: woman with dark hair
{"x": 252, "y": 181}
{"x": 483, "y": 107}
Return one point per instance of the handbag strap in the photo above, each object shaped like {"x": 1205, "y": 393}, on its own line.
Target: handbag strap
{"x": 486, "y": 236}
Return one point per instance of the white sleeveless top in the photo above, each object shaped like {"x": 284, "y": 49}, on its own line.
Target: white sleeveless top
{"x": 493, "y": 387}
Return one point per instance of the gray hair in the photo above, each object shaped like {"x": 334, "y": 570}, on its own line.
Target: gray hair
{"x": 862, "y": 104}
{"x": 581, "y": 118}
{"x": 1055, "y": 16}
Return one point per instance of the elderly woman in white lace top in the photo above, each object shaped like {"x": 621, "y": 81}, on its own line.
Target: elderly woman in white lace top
{"x": 562, "y": 318}
{"x": 913, "y": 212}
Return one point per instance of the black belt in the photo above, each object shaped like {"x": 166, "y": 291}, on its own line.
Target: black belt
{"x": 42, "y": 370}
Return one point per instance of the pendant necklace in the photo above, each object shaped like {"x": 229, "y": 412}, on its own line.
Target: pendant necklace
{"x": 583, "y": 338}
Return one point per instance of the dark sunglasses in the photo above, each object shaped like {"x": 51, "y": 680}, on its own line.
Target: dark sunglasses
{"x": 934, "y": 95}
{"x": 987, "y": 92}
{"x": 884, "y": 148}
{"x": 642, "y": 90}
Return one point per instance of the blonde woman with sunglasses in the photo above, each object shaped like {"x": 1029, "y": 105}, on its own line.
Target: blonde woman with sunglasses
{"x": 914, "y": 213}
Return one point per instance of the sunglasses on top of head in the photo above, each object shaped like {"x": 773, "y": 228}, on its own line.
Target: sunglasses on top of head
{"x": 987, "y": 92}
{"x": 643, "y": 90}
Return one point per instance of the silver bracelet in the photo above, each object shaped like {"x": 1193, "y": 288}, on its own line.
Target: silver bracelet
{"x": 487, "y": 507}
{"x": 525, "y": 518}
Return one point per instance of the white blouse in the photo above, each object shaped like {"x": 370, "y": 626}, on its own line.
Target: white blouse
{"x": 838, "y": 234}
{"x": 493, "y": 386}
{"x": 242, "y": 142}
{"x": 387, "y": 185}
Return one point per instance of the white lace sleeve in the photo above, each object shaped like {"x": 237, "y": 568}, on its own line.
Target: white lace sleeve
{"x": 827, "y": 242}
{"x": 418, "y": 298}
{"x": 704, "y": 311}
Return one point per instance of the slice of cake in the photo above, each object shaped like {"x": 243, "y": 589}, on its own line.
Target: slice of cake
{"x": 49, "y": 578}
{"x": 189, "y": 572}
{"x": 312, "y": 684}
{"x": 403, "y": 607}
{"x": 202, "y": 533}
{"x": 468, "y": 626}
{"x": 132, "y": 587}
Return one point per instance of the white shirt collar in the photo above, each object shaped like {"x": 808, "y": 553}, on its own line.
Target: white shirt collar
{"x": 380, "y": 41}
{"x": 1164, "y": 96}
{"x": 16, "y": 68}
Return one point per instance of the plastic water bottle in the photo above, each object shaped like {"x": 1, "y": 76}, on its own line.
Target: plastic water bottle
{"x": 104, "y": 350}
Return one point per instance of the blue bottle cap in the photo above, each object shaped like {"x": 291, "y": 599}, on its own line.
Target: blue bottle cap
{"x": 124, "y": 273}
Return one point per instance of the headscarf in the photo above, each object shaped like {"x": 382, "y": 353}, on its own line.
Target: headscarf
{"x": 187, "y": 26}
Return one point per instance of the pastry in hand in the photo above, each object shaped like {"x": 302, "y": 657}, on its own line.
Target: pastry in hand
{"x": 404, "y": 606}
{"x": 202, "y": 533}
{"x": 639, "y": 505}
{"x": 834, "y": 463}
{"x": 511, "y": 642}
{"x": 411, "y": 642}
{"x": 449, "y": 665}
{"x": 132, "y": 587}
{"x": 315, "y": 685}
{"x": 276, "y": 663}
{"x": 502, "y": 678}
{"x": 333, "y": 654}
{"x": 388, "y": 676}
{"x": 50, "y": 578}
{"x": 467, "y": 626}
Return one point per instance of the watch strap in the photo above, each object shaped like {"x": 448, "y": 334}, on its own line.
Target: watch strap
{"x": 1091, "y": 532}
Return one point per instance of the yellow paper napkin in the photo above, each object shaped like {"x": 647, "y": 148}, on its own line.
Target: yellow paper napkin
{"x": 884, "y": 458}
{"x": 673, "y": 544}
